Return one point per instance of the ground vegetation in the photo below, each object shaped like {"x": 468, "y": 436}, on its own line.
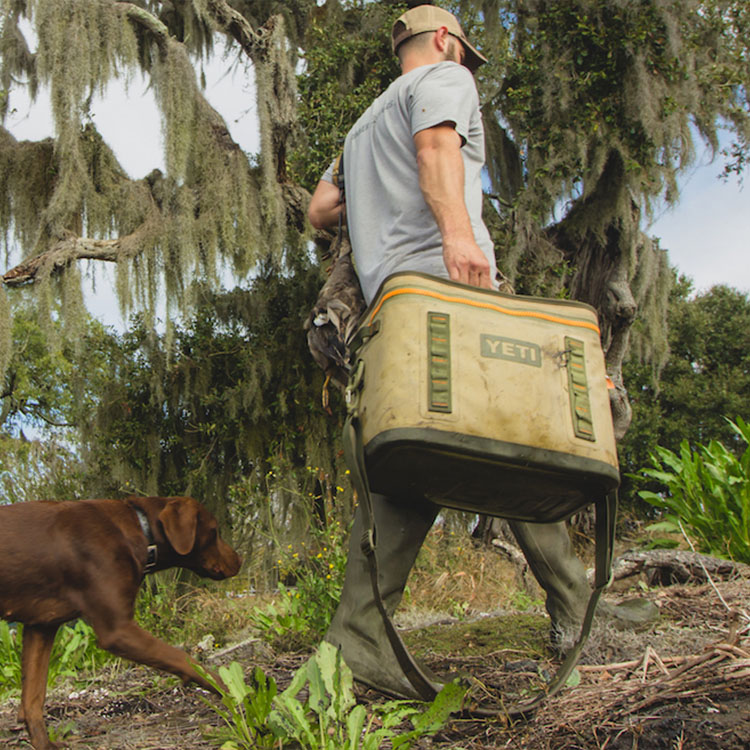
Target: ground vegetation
{"x": 682, "y": 679}
{"x": 592, "y": 111}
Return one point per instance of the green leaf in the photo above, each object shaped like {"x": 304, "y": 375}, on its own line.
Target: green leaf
{"x": 234, "y": 679}
{"x": 317, "y": 700}
{"x": 574, "y": 680}
{"x": 668, "y": 525}
{"x": 355, "y": 722}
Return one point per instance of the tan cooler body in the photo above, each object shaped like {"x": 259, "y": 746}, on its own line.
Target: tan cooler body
{"x": 483, "y": 401}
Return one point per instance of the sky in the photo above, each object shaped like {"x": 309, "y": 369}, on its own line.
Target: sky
{"x": 707, "y": 235}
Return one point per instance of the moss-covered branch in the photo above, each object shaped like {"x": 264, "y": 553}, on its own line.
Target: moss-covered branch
{"x": 58, "y": 257}
{"x": 145, "y": 20}
{"x": 233, "y": 23}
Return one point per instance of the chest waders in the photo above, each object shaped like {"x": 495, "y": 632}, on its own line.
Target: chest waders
{"x": 483, "y": 402}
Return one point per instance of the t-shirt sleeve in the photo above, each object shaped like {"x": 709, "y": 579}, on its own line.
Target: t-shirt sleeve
{"x": 446, "y": 93}
{"x": 328, "y": 174}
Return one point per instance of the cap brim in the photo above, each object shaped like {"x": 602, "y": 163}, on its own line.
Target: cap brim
{"x": 473, "y": 58}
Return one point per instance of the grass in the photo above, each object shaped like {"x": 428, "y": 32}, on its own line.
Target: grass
{"x": 520, "y": 633}
{"x": 456, "y": 576}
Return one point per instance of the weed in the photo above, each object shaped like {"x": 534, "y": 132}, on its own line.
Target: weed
{"x": 245, "y": 708}
{"x": 173, "y": 609}
{"x": 329, "y": 717}
{"x": 662, "y": 543}
{"x": 454, "y": 574}
{"x": 523, "y": 601}
{"x": 318, "y": 573}
{"x": 10, "y": 659}
{"x": 60, "y": 732}
{"x": 284, "y": 623}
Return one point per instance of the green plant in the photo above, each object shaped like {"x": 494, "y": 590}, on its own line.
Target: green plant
{"x": 10, "y": 658}
{"x": 180, "y": 611}
{"x": 158, "y": 605}
{"x": 58, "y": 734}
{"x": 245, "y": 707}
{"x": 320, "y": 580}
{"x": 661, "y": 543}
{"x": 328, "y": 718}
{"x": 284, "y": 623}
{"x": 304, "y": 612}
{"x": 74, "y": 652}
{"x": 523, "y": 601}
{"x": 707, "y": 491}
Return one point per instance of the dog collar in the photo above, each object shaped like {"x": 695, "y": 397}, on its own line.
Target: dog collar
{"x": 148, "y": 533}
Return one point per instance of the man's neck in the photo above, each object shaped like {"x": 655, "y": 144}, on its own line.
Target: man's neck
{"x": 417, "y": 61}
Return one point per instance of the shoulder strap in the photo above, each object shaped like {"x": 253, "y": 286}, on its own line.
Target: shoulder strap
{"x": 338, "y": 181}
{"x": 338, "y": 172}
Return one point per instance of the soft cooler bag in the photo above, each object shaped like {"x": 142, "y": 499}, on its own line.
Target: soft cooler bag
{"x": 483, "y": 401}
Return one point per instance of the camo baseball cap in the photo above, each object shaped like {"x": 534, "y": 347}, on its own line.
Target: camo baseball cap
{"x": 430, "y": 18}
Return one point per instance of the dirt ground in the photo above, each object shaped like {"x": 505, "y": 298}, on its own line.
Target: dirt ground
{"x": 682, "y": 682}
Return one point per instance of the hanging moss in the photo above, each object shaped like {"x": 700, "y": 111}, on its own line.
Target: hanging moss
{"x": 277, "y": 114}
{"x": 6, "y": 332}
{"x": 588, "y": 108}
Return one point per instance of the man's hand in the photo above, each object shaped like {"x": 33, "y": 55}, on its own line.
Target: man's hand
{"x": 441, "y": 179}
{"x": 467, "y": 263}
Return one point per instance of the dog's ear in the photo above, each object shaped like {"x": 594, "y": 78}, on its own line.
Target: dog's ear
{"x": 180, "y": 521}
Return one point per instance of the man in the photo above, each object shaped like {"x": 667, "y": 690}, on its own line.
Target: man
{"x": 412, "y": 167}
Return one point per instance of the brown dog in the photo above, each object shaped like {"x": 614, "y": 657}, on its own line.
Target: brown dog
{"x": 60, "y": 561}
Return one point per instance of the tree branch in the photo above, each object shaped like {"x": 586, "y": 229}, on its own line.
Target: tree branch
{"x": 61, "y": 255}
{"x": 148, "y": 21}
{"x": 232, "y": 22}
{"x": 35, "y": 410}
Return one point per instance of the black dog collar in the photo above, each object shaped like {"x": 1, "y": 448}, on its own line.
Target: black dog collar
{"x": 149, "y": 534}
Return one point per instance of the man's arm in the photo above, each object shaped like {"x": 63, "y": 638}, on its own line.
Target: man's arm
{"x": 441, "y": 179}
{"x": 325, "y": 206}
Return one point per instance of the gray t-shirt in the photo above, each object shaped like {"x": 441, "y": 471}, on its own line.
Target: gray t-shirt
{"x": 391, "y": 226}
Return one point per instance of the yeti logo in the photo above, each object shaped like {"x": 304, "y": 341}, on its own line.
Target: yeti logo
{"x": 499, "y": 347}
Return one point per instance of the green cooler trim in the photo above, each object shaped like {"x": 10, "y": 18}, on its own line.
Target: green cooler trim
{"x": 578, "y": 390}
{"x": 532, "y": 484}
{"x": 439, "y": 346}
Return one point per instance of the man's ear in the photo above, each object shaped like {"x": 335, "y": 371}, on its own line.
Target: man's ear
{"x": 442, "y": 38}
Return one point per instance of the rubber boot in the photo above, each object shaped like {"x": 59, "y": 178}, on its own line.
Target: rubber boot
{"x": 561, "y": 575}
{"x": 357, "y": 627}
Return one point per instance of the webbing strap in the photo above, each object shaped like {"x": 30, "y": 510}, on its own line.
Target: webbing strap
{"x": 606, "y": 513}
{"x": 355, "y": 459}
